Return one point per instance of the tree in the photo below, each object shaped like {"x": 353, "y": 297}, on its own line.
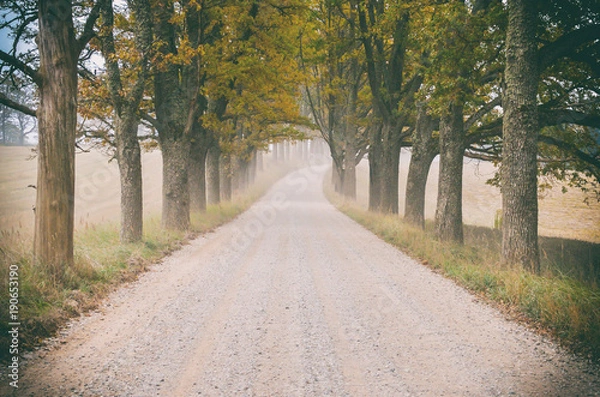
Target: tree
{"x": 570, "y": 31}
{"x": 125, "y": 98}
{"x": 424, "y": 149}
{"x": 385, "y": 35}
{"x": 175, "y": 92}
{"x": 56, "y": 79}
{"x": 457, "y": 93}
{"x": 331, "y": 59}
{"x": 251, "y": 85}
{"x": 520, "y": 132}
{"x": 15, "y": 125}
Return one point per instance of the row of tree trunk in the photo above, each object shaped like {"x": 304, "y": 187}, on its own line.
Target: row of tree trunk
{"x": 519, "y": 166}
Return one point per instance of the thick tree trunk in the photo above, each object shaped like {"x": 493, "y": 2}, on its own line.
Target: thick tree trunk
{"x": 337, "y": 177}
{"x": 349, "y": 181}
{"x": 448, "y": 216}
{"x": 176, "y": 194}
{"x": 130, "y": 170}
{"x": 175, "y": 90}
{"x": 390, "y": 174}
{"x": 57, "y": 117}
{"x": 375, "y": 171}
{"x": 424, "y": 151}
{"x": 197, "y": 176}
{"x": 226, "y": 177}
{"x": 213, "y": 183}
{"x": 520, "y": 130}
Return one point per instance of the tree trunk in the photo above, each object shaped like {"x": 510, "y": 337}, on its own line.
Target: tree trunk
{"x": 337, "y": 176}
{"x": 375, "y": 171}
{"x": 241, "y": 174}
{"x": 448, "y": 216}
{"x": 275, "y": 152}
{"x": 424, "y": 151}
{"x": 176, "y": 194}
{"x": 260, "y": 161}
{"x": 57, "y": 116}
{"x": 213, "y": 184}
{"x": 254, "y": 166}
{"x": 126, "y": 107}
{"x": 197, "y": 176}
{"x": 174, "y": 93}
{"x": 520, "y": 130}
{"x": 130, "y": 171}
{"x": 390, "y": 172}
{"x": 226, "y": 177}
{"x": 349, "y": 181}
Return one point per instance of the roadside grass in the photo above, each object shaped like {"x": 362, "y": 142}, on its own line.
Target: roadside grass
{"x": 554, "y": 302}
{"x": 102, "y": 263}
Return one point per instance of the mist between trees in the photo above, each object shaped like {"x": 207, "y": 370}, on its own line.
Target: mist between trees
{"x": 214, "y": 84}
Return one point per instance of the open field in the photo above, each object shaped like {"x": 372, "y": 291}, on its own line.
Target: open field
{"x": 97, "y": 188}
{"x": 97, "y": 194}
{"x": 561, "y": 215}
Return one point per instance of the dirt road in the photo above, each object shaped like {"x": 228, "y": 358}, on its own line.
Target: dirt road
{"x": 295, "y": 299}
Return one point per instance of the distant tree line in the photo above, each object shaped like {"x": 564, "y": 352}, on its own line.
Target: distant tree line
{"x": 216, "y": 81}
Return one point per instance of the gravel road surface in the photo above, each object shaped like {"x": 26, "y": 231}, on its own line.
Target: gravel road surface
{"x": 295, "y": 299}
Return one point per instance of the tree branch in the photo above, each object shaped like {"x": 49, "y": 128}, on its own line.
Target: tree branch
{"x": 550, "y": 117}
{"x": 482, "y": 112}
{"x": 23, "y": 67}
{"x": 88, "y": 29}
{"x": 153, "y": 122}
{"x": 6, "y": 101}
{"x": 491, "y": 130}
{"x": 568, "y": 147}
{"x": 566, "y": 45}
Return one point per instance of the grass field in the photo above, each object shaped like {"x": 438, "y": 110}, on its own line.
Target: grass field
{"x": 96, "y": 190}
{"x": 564, "y": 215}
